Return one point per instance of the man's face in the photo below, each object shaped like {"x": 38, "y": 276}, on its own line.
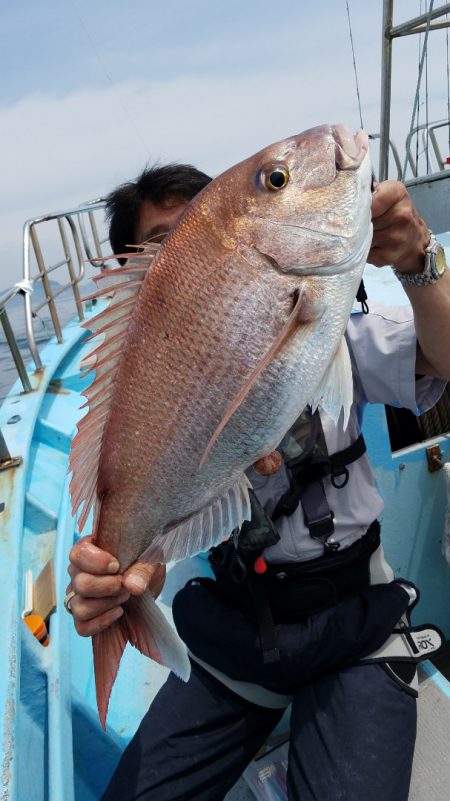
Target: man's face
{"x": 154, "y": 221}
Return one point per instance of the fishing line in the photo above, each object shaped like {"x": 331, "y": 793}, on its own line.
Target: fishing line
{"x": 354, "y": 63}
{"x": 129, "y": 117}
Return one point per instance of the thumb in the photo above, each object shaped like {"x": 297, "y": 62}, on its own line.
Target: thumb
{"x": 141, "y": 577}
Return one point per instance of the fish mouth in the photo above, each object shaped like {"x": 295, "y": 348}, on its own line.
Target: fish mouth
{"x": 350, "y": 149}
{"x": 360, "y": 251}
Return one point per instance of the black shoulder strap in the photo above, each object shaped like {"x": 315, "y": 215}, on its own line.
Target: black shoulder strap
{"x": 306, "y": 485}
{"x": 304, "y": 475}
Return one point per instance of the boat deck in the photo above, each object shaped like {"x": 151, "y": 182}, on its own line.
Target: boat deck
{"x": 442, "y": 661}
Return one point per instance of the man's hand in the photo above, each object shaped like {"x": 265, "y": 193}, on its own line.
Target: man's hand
{"x": 400, "y": 236}
{"x": 100, "y": 590}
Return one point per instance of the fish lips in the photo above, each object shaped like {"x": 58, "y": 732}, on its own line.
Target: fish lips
{"x": 350, "y": 149}
{"x": 354, "y": 258}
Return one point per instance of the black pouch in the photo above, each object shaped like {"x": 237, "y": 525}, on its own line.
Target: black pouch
{"x": 227, "y": 637}
{"x": 298, "y": 589}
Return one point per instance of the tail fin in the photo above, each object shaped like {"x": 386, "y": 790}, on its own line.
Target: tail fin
{"x": 145, "y": 627}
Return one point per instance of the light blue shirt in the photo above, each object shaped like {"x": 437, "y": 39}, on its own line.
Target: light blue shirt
{"x": 382, "y": 347}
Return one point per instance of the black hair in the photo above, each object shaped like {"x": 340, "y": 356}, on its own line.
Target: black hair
{"x": 157, "y": 184}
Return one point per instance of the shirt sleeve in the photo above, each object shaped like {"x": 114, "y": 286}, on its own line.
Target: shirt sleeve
{"x": 383, "y": 349}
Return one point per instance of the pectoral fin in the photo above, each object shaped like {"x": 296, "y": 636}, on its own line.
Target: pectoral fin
{"x": 290, "y": 327}
{"x": 335, "y": 392}
{"x": 200, "y": 532}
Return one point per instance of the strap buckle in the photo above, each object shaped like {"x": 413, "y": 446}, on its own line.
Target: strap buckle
{"x": 322, "y": 527}
{"x": 339, "y": 479}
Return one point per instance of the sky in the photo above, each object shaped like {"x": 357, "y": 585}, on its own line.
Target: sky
{"x": 93, "y": 90}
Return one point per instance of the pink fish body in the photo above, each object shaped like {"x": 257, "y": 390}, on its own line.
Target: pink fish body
{"x": 211, "y": 354}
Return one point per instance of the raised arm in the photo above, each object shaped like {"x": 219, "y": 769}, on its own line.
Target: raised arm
{"x": 400, "y": 239}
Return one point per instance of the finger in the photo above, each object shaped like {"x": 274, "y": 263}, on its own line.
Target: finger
{"x": 390, "y": 246}
{"x": 89, "y": 558}
{"x": 138, "y": 578}
{"x": 157, "y": 581}
{"x": 85, "y": 609}
{"x": 377, "y": 256}
{"x": 268, "y": 465}
{"x": 385, "y": 196}
{"x": 90, "y": 627}
{"x": 90, "y": 586}
{"x": 399, "y": 218}
{"x": 392, "y": 253}
{"x": 402, "y": 241}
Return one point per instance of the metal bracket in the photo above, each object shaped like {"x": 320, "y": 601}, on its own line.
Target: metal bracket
{"x": 434, "y": 458}
{"x": 14, "y": 461}
{"x": 6, "y": 460}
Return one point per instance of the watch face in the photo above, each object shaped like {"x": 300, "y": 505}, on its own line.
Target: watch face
{"x": 440, "y": 261}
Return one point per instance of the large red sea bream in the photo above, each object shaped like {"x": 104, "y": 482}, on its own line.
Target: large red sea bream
{"x": 210, "y": 354}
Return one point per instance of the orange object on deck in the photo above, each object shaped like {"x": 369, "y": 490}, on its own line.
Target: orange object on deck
{"x": 37, "y": 627}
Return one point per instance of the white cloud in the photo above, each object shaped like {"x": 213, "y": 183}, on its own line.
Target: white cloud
{"x": 59, "y": 150}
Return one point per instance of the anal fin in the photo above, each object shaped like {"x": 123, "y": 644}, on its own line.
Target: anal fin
{"x": 146, "y": 628}
{"x": 149, "y": 631}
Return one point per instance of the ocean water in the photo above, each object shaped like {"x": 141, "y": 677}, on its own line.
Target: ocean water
{"x": 43, "y": 329}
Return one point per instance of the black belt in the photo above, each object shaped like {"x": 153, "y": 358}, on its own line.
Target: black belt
{"x": 295, "y": 590}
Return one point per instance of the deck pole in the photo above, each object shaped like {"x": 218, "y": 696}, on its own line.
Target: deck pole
{"x": 386, "y": 79}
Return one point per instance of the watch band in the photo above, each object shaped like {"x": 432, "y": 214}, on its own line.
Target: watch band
{"x": 434, "y": 268}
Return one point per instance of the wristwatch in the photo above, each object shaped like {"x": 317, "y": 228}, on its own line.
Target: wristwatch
{"x": 435, "y": 266}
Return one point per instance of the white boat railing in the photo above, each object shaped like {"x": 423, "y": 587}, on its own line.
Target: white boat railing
{"x": 78, "y": 234}
{"x": 394, "y": 151}
{"x": 430, "y": 146}
{"x": 432, "y": 20}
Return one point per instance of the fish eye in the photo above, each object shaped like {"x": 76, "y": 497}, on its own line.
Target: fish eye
{"x": 274, "y": 177}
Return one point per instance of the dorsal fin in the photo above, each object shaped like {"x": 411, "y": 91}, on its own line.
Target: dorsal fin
{"x": 123, "y": 284}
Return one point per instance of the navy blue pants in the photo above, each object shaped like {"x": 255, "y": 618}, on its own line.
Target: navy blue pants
{"x": 352, "y": 739}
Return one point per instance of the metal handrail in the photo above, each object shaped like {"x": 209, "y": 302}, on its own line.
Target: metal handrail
{"x": 421, "y": 24}
{"x": 428, "y": 135}
{"x": 76, "y": 272}
{"x": 14, "y": 350}
{"x": 73, "y": 237}
{"x": 91, "y": 206}
{"x": 394, "y": 151}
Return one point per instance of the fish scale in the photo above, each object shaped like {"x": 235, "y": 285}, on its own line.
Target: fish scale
{"x": 237, "y": 325}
